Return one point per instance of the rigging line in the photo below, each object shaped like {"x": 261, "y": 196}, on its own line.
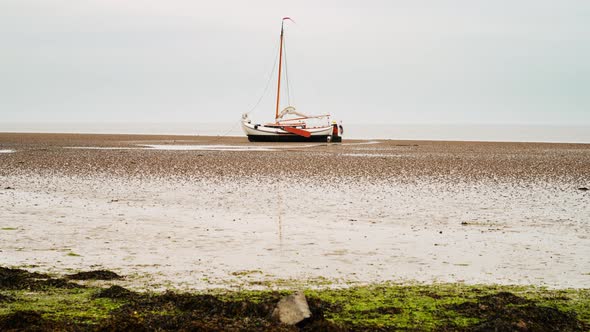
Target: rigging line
{"x": 232, "y": 128}
{"x": 274, "y": 66}
{"x": 220, "y": 137}
{"x": 257, "y": 103}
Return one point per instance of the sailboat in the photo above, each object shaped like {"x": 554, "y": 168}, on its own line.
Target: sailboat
{"x": 289, "y": 124}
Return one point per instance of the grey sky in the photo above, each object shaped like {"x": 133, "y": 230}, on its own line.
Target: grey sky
{"x": 500, "y": 62}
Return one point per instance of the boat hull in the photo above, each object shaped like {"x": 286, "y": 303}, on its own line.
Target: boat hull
{"x": 261, "y": 133}
{"x": 286, "y": 138}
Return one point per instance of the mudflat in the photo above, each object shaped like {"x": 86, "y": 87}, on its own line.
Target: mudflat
{"x": 186, "y": 212}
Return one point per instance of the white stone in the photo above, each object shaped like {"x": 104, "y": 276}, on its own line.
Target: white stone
{"x": 292, "y": 309}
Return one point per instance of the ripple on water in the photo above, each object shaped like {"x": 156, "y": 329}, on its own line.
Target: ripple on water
{"x": 210, "y": 147}
{"x": 167, "y": 147}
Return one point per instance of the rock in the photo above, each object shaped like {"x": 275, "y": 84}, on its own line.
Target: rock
{"x": 292, "y": 309}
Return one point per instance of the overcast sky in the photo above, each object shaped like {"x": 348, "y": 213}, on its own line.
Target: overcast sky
{"x": 420, "y": 62}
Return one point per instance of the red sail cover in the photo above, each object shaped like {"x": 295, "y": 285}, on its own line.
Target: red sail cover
{"x": 296, "y": 131}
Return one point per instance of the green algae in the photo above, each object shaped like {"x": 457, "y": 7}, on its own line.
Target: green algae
{"x": 433, "y": 306}
{"x": 424, "y": 307}
{"x": 243, "y": 273}
{"x": 76, "y": 304}
{"x": 385, "y": 306}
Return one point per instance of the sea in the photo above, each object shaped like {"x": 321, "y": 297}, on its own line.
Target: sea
{"x": 443, "y": 132}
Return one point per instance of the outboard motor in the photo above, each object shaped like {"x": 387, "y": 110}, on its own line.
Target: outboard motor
{"x": 335, "y": 133}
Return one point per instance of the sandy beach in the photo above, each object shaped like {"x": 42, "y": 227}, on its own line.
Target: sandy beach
{"x": 187, "y": 212}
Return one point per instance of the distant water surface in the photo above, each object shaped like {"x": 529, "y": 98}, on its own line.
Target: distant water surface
{"x": 506, "y": 133}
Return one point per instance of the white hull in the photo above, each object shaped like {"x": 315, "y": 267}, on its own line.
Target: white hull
{"x": 263, "y": 133}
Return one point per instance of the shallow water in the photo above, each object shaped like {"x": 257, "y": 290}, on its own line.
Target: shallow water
{"x": 449, "y": 212}
{"x": 217, "y": 147}
{"x": 224, "y": 147}
{"x": 201, "y": 233}
{"x": 101, "y": 148}
{"x": 370, "y": 155}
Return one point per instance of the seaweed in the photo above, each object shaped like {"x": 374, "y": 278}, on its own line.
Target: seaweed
{"x": 95, "y": 275}
{"x": 21, "y": 279}
{"x": 505, "y": 311}
{"x": 382, "y": 307}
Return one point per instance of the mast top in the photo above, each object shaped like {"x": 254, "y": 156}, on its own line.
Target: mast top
{"x": 280, "y": 67}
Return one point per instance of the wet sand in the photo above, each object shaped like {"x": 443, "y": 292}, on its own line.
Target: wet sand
{"x": 200, "y": 212}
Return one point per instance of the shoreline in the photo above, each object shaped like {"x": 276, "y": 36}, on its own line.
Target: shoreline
{"x": 408, "y": 131}
{"x": 241, "y": 138}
